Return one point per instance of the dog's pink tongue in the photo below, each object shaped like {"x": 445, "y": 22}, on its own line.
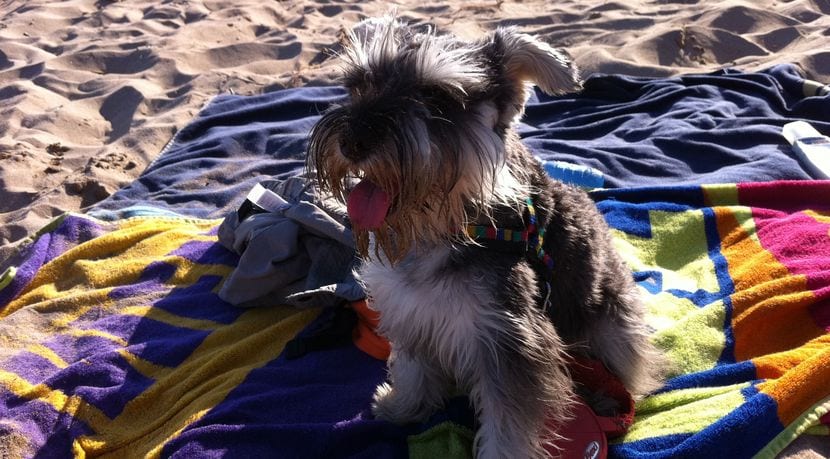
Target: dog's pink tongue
{"x": 367, "y": 205}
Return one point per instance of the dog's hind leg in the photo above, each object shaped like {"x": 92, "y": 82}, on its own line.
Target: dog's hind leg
{"x": 621, "y": 341}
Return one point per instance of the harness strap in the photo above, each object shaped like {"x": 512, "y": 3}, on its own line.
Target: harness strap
{"x": 529, "y": 239}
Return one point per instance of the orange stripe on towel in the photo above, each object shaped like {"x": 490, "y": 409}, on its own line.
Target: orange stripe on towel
{"x": 770, "y": 305}
{"x": 364, "y": 335}
{"x": 771, "y": 318}
{"x": 795, "y": 377}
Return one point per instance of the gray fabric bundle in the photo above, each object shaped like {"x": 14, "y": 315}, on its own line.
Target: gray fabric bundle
{"x": 301, "y": 255}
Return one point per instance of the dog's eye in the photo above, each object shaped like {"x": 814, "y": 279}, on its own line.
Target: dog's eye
{"x": 431, "y": 94}
{"x": 439, "y": 103}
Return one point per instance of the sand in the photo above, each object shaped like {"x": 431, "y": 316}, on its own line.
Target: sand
{"x": 91, "y": 91}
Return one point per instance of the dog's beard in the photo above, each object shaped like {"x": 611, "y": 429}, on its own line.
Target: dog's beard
{"x": 426, "y": 204}
{"x": 433, "y": 197}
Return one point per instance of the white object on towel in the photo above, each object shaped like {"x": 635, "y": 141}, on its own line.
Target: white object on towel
{"x": 812, "y": 147}
{"x": 267, "y": 199}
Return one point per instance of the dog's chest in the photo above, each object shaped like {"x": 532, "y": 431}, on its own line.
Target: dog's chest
{"x": 427, "y": 300}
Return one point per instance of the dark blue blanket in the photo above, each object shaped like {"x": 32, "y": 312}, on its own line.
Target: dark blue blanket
{"x": 722, "y": 127}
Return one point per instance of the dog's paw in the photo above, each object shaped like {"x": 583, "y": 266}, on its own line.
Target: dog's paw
{"x": 396, "y": 408}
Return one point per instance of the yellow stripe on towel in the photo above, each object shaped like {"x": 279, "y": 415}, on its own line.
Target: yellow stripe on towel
{"x": 183, "y": 394}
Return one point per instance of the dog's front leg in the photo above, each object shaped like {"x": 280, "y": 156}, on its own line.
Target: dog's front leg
{"x": 508, "y": 427}
{"x": 414, "y": 391}
{"x": 519, "y": 383}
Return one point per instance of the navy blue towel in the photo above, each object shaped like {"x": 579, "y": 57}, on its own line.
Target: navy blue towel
{"x": 722, "y": 127}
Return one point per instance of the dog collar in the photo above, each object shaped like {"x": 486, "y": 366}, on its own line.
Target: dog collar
{"x": 530, "y": 239}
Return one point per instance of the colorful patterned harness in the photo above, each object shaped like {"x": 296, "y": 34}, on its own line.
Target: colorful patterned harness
{"x": 532, "y": 237}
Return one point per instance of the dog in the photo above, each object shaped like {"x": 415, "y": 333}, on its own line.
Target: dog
{"x": 425, "y": 156}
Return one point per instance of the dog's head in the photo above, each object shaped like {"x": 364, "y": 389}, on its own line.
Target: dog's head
{"x": 425, "y": 128}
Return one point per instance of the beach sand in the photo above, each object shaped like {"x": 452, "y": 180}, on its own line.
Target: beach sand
{"x": 92, "y": 90}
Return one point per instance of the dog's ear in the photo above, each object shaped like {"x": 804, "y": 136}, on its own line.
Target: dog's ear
{"x": 527, "y": 59}
{"x": 518, "y": 61}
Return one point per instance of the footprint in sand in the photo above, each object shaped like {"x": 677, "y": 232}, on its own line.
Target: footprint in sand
{"x": 778, "y": 39}
{"x": 110, "y": 62}
{"x": 119, "y": 108}
{"x": 4, "y": 61}
{"x": 88, "y": 189}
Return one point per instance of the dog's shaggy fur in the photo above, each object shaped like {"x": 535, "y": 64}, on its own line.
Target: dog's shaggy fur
{"x": 429, "y": 122}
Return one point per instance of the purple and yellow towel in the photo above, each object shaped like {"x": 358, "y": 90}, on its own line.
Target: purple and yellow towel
{"x": 114, "y": 342}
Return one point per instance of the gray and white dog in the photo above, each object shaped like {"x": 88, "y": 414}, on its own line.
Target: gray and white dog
{"x": 488, "y": 275}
